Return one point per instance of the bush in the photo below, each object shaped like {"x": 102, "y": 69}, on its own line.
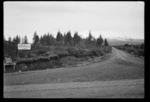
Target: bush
{"x": 141, "y": 52}
{"x": 40, "y": 52}
{"x": 107, "y": 49}
{"x": 37, "y": 66}
{"x": 55, "y": 63}
{"x": 95, "y": 53}
{"x": 42, "y": 62}
{"x": 61, "y": 52}
{"x": 135, "y": 50}
{"x": 130, "y": 50}
{"x": 21, "y": 67}
{"x": 72, "y": 51}
{"x": 90, "y": 52}
{"x": 21, "y": 54}
{"x": 101, "y": 53}
{"x": 40, "y": 65}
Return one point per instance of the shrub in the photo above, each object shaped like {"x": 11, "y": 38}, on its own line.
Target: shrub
{"x": 101, "y": 53}
{"x": 61, "y": 52}
{"x": 21, "y": 67}
{"x": 40, "y": 65}
{"x": 21, "y": 54}
{"x": 141, "y": 52}
{"x": 135, "y": 49}
{"x": 95, "y": 53}
{"x": 71, "y": 51}
{"x": 40, "y": 52}
{"x": 129, "y": 50}
{"x": 56, "y": 63}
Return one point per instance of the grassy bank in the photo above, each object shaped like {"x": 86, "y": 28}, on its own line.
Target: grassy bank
{"x": 135, "y": 50}
{"x": 57, "y": 57}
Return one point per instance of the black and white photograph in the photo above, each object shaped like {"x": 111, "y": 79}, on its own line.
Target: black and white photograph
{"x": 73, "y": 49}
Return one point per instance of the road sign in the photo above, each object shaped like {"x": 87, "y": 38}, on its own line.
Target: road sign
{"x": 24, "y": 46}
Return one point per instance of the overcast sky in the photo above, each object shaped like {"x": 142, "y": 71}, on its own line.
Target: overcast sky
{"x": 110, "y": 19}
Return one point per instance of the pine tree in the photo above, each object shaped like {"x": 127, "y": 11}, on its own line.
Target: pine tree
{"x": 99, "y": 41}
{"x": 25, "y": 40}
{"x": 47, "y": 39}
{"x": 106, "y": 43}
{"x": 76, "y": 38}
{"x": 36, "y": 38}
{"x": 59, "y": 37}
{"x": 142, "y": 46}
{"x": 51, "y": 39}
{"x": 43, "y": 39}
{"x": 16, "y": 40}
{"x": 68, "y": 38}
{"x": 90, "y": 37}
{"x": 9, "y": 40}
{"x": 93, "y": 42}
{"x": 64, "y": 40}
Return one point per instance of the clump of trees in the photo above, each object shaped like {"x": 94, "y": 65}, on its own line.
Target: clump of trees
{"x": 59, "y": 47}
{"x": 48, "y": 39}
{"x": 11, "y": 45}
{"x": 76, "y": 39}
{"x": 67, "y": 39}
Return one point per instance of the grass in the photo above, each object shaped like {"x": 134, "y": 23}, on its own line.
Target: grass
{"x": 92, "y": 72}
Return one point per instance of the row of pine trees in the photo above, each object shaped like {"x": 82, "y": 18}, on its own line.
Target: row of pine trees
{"x": 61, "y": 39}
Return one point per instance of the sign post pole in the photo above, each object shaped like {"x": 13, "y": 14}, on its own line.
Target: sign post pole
{"x": 24, "y": 47}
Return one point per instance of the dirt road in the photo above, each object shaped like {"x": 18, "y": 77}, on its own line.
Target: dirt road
{"x": 125, "y": 71}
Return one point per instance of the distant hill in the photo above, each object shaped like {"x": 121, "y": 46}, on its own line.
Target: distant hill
{"x": 122, "y": 41}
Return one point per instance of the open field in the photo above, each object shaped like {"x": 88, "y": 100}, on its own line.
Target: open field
{"x": 95, "y": 89}
{"x": 118, "y": 66}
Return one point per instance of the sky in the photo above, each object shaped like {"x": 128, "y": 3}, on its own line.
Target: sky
{"x": 110, "y": 19}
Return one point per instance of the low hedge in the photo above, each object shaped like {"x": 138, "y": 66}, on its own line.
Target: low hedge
{"x": 39, "y": 65}
{"x": 136, "y": 51}
{"x": 50, "y": 61}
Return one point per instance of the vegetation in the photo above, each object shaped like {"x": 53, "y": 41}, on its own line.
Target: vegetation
{"x": 49, "y": 51}
{"x": 106, "y": 43}
{"x": 99, "y": 41}
{"x": 36, "y": 38}
{"x": 137, "y": 50}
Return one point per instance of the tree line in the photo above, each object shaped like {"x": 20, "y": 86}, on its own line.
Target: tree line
{"x": 61, "y": 40}
{"x": 11, "y": 49}
{"x": 67, "y": 40}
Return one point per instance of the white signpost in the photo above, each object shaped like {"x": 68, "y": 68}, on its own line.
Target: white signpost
{"x": 24, "y": 46}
